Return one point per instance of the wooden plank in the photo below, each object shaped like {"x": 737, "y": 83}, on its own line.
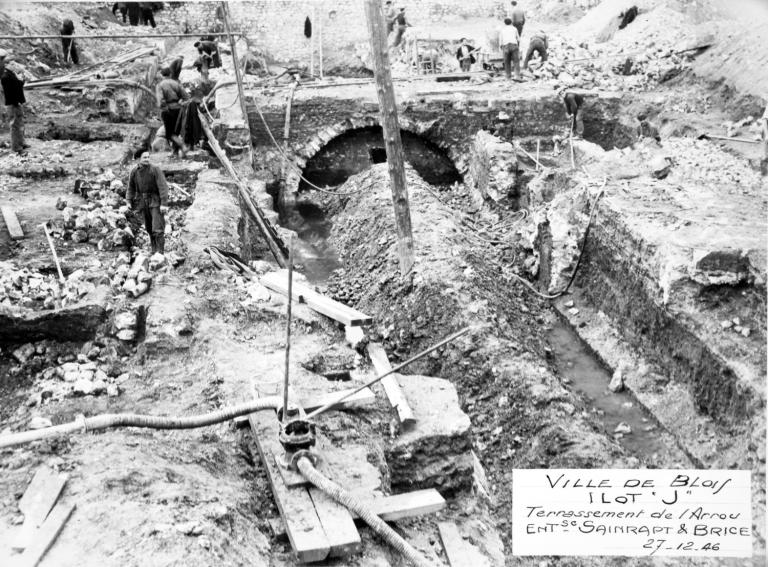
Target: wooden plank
{"x": 459, "y": 551}
{"x": 406, "y": 505}
{"x": 14, "y": 228}
{"x": 305, "y": 532}
{"x": 278, "y": 281}
{"x": 37, "y": 502}
{"x": 46, "y": 535}
{"x": 364, "y": 397}
{"x": 391, "y": 387}
{"x": 338, "y": 524}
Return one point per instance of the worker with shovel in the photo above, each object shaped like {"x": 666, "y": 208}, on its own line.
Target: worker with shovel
{"x": 147, "y": 195}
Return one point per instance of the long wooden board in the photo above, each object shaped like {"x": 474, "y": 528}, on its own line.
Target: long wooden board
{"x": 14, "y": 228}
{"x": 406, "y": 505}
{"x": 460, "y": 552}
{"x": 305, "y": 532}
{"x": 338, "y": 524}
{"x": 46, "y": 535}
{"x": 278, "y": 281}
{"x": 391, "y": 387}
{"x": 37, "y": 502}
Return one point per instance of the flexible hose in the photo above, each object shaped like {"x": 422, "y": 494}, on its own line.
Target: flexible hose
{"x": 345, "y": 498}
{"x": 107, "y": 420}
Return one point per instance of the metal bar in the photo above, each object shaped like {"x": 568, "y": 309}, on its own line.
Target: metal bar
{"x": 119, "y": 36}
{"x": 288, "y": 330}
{"x": 397, "y": 368}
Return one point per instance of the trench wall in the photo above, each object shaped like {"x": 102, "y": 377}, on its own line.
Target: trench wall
{"x": 614, "y": 280}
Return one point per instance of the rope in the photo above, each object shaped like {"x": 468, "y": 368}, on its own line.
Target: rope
{"x": 290, "y": 162}
{"x": 578, "y": 260}
{"x": 364, "y": 512}
{"x": 105, "y": 421}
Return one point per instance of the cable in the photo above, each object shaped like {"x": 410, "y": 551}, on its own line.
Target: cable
{"x": 578, "y": 260}
{"x": 108, "y": 420}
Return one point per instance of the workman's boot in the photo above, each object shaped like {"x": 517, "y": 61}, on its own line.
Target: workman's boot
{"x": 153, "y": 242}
{"x": 160, "y": 244}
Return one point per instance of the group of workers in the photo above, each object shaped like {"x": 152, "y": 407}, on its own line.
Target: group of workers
{"x": 135, "y": 13}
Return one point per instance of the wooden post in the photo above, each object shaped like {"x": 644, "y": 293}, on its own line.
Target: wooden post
{"x": 320, "y": 41}
{"x": 239, "y": 78}
{"x": 388, "y": 115}
{"x": 312, "y": 44}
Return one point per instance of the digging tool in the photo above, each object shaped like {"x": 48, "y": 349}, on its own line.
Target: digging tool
{"x": 522, "y": 149}
{"x": 394, "y": 370}
{"x": 570, "y": 143}
{"x": 726, "y": 138}
{"x": 538, "y": 146}
{"x": 58, "y": 266}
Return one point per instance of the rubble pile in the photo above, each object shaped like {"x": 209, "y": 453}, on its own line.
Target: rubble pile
{"x": 64, "y": 370}
{"x": 22, "y": 287}
{"x": 102, "y": 220}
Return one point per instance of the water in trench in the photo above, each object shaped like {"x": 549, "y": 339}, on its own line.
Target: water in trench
{"x": 312, "y": 250}
{"x": 586, "y": 376}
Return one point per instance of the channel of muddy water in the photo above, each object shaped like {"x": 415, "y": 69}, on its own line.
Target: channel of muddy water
{"x": 585, "y": 375}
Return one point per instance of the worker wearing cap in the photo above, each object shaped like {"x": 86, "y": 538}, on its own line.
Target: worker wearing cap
{"x": 147, "y": 194}
{"x": 13, "y": 93}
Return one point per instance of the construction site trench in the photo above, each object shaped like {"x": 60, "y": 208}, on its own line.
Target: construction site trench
{"x": 613, "y": 288}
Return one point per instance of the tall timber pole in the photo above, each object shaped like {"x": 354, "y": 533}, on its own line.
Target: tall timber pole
{"x": 239, "y": 79}
{"x": 392, "y": 142}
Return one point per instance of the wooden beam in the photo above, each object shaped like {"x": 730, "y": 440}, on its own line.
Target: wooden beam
{"x": 305, "y": 532}
{"x": 37, "y": 502}
{"x": 406, "y": 505}
{"x": 388, "y": 117}
{"x": 14, "y": 228}
{"x": 338, "y": 524}
{"x": 45, "y": 536}
{"x": 460, "y": 552}
{"x": 391, "y": 386}
{"x": 278, "y": 281}
{"x": 239, "y": 79}
{"x": 273, "y": 240}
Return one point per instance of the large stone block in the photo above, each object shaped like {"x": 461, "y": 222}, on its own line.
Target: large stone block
{"x": 492, "y": 168}
{"x": 436, "y": 452}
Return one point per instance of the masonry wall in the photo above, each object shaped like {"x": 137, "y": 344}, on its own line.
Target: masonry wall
{"x": 277, "y": 26}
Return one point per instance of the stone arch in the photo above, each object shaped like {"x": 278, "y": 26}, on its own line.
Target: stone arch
{"x": 309, "y": 149}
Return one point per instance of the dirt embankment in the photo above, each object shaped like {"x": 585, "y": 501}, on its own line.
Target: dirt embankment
{"x": 522, "y": 416}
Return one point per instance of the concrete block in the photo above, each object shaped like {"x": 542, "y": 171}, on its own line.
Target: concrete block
{"x": 436, "y": 452}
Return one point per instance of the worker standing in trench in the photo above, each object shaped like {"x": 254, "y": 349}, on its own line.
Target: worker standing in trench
{"x": 147, "y": 195}
{"x": 169, "y": 94}
{"x": 68, "y": 44}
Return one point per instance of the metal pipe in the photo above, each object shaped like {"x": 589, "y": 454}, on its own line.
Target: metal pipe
{"x": 288, "y": 330}
{"x": 397, "y": 368}
{"x": 118, "y": 36}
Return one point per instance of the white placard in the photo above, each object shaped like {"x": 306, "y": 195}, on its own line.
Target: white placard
{"x": 631, "y": 512}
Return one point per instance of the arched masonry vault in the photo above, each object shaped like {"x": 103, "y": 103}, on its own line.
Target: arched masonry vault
{"x": 426, "y": 130}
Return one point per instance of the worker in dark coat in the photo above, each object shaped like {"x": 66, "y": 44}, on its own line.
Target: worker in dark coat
{"x": 573, "y": 103}
{"x": 134, "y": 13}
{"x": 68, "y": 45}
{"x": 147, "y": 13}
{"x": 465, "y": 55}
{"x": 175, "y": 67}
{"x": 169, "y": 94}
{"x": 518, "y": 18}
{"x": 147, "y": 195}
{"x": 13, "y": 93}
{"x": 538, "y": 44}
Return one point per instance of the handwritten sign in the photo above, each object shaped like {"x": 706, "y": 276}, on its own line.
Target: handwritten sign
{"x": 631, "y": 512}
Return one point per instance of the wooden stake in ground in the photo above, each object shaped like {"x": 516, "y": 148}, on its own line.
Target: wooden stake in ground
{"x": 239, "y": 78}
{"x": 288, "y": 330}
{"x": 388, "y": 112}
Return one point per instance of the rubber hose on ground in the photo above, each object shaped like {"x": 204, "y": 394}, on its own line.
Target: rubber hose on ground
{"x": 84, "y": 424}
{"x": 377, "y": 524}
